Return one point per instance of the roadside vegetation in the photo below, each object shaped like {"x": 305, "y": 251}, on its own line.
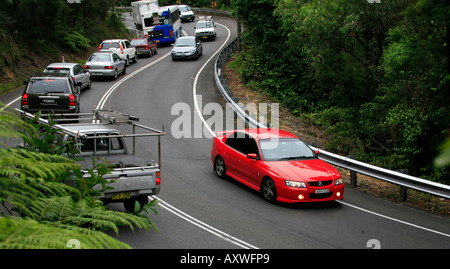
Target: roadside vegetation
{"x": 374, "y": 76}
{"x": 36, "y": 33}
{"x": 46, "y": 202}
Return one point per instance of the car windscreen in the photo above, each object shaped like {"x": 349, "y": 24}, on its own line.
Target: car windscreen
{"x": 277, "y": 149}
{"x": 138, "y": 42}
{"x": 48, "y": 86}
{"x": 204, "y": 24}
{"x": 57, "y": 70}
{"x": 108, "y": 45}
{"x": 185, "y": 42}
{"x": 184, "y": 8}
{"x": 100, "y": 58}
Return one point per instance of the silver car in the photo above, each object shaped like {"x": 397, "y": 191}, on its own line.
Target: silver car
{"x": 76, "y": 71}
{"x": 105, "y": 63}
{"x": 187, "y": 47}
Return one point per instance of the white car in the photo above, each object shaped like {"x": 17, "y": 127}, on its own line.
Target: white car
{"x": 121, "y": 47}
{"x": 205, "y": 28}
{"x": 186, "y": 13}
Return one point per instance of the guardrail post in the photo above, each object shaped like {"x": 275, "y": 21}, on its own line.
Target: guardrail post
{"x": 403, "y": 189}
{"x": 403, "y": 193}
{"x": 353, "y": 179}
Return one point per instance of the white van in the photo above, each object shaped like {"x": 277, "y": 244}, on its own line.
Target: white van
{"x": 186, "y": 13}
{"x": 205, "y": 28}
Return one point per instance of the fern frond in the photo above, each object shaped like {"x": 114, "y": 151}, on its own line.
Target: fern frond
{"x": 66, "y": 211}
{"x": 17, "y": 233}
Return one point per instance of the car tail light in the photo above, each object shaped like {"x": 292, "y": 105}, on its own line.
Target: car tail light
{"x": 158, "y": 178}
{"x": 100, "y": 47}
{"x": 108, "y": 67}
{"x": 25, "y": 99}
{"x": 86, "y": 67}
{"x": 72, "y": 102}
{"x": 121, "y": 48}
{"x": 73, "y": 79}
{"x": 171, "y": 33}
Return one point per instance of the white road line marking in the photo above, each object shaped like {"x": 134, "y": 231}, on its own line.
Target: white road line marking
{"x": 194, "y": 88}
{"x": 203, "y": 225}
{"x": 394, "y": 219}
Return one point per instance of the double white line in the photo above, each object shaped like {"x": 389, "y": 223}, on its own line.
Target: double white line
{"x": 203, "y": 225}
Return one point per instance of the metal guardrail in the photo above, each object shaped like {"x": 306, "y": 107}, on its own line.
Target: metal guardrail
{"x": 403, "y": 180}
{"x": 212, "y": 11}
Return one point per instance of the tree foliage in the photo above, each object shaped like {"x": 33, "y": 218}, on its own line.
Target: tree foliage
{"x": 70, "y": 26}
{"x": 375, "y": 76}
{"x": 43, "y": 209}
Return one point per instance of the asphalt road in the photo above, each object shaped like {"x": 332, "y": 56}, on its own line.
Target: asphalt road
{"x": 200, "y": 211}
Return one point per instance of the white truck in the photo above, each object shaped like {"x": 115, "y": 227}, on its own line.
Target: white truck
{"x": 140, "y": 8}
{"x": 132, "y": 178}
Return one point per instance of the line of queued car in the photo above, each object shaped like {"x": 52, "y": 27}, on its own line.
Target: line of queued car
{"x": 57, "y": 89}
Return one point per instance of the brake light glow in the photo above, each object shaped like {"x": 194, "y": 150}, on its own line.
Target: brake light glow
{"x": 72, "y": 102}
{"x": 25, "y": 99}
{"x": 158, "y": 178}
{"x": 108, "y": 67}
{"x": 86, "y": 67}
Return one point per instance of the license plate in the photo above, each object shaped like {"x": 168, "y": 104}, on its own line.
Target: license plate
{"x": 138, "y": 52}
{"x": 48, "y": 100}
{"x": 322, "y": 191}
{"x": 96, "y": 74}
{"x": 121, "y": 195}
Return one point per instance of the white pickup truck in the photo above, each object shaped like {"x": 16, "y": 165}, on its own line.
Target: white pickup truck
{"x": 132, "y": 178}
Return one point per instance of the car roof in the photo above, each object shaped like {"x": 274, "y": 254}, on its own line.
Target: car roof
{"x": 187, "y": 37}
{"x": 262, "y": 133}
{"x": 61, "y": 65}
{"x": 49, "y": 75}
{"x": 103, "y": 51}
{"x": 113, "y": 40}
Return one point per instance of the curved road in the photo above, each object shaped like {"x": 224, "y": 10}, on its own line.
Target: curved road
{"x": 200, "y": 211}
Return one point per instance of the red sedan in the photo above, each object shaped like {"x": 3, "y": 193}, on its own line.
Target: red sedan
{"x": 277, "y": 164}
{"x": 144, "y": 46}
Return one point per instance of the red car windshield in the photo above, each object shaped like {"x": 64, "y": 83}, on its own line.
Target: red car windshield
{"x": 285, "y": 149}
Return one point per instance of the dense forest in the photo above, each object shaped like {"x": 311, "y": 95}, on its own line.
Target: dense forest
{"x": 375, "y": 76}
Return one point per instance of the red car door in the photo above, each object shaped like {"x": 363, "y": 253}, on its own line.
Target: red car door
{"x": 250, "y": 163}
{"x": 233, "y": 155}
